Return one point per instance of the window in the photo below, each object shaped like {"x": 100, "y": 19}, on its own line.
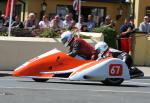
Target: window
{"x": 147, "y": 12}
{"x": 98, "y": 12}
{"x": 62, "y": 11}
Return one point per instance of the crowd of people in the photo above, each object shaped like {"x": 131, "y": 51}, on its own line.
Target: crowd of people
{"x": 55, "y": 23}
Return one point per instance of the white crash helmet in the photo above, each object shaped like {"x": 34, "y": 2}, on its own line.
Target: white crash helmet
{"x": 66, "y": 37}
{"x": 101, "y": 47}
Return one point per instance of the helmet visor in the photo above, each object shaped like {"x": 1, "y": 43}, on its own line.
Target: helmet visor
{"x": 65, "y": 42}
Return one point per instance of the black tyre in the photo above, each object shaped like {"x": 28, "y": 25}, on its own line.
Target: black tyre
{"x": 113, "y": 81}
{"x": 40, "y": 80}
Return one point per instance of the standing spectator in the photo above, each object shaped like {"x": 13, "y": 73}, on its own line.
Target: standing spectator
{"x": 91, "y": 23}
{"x": 17, "y": 23}
{"x": 126, "y": 31}
{"x": 45, "y": 23}
{"x": 131, "y": 23}
{"x": 127, "y": 28}
{"x": 145, "y": 26}
{"x": 108, "y": 22}
{"x": 31, "y": 22}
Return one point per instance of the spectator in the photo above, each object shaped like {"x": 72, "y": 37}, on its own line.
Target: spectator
{"x": 1, "y": 20}
{"x": 127, "y": 28}
{"x": 126, "y": 31}
{"x": 55, "y": 25}
{"x": 84, "y": 28}
{"x": 17, "y": 23}
{"x": 31, "y": 22}
{"x": 91, "y": 23}
{"x": 145, "y": 26}
{"x": 6, "y": 21}
{"x": 73, "y": 26}
{"x": 67, "y": 22}
{"x": 131, "y": 23}
{"x": 59, "y": 21}
{"x": 81, "y": 23}
{"x": 108, "y": 22}
{"x": 45, "y": 23}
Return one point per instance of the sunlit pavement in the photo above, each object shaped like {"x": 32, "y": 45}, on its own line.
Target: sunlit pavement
{"x": 25, "y": 90}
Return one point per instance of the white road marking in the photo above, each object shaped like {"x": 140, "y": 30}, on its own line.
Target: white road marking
{"x": 137, "y": 83}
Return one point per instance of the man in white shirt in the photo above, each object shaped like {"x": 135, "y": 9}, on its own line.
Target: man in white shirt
{"x": 145, "y": 25}
{"x": 67, "y": 23}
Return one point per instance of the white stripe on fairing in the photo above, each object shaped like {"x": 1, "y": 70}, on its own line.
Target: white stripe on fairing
{"x": 66, "y": 89}
{"x": 49, "y": 53}
{"x": 67, "y": 71}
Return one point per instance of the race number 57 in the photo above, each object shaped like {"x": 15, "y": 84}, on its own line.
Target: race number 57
{"x": 115, "y": 70}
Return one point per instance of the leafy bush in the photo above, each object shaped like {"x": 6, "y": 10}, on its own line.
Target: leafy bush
{"x": 21, "y": 32}
{"x": 49, "y": 33}
{"x": 3, "y": 32}
{"x": 109, "y": 35}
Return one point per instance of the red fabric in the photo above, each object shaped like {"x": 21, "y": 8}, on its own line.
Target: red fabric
{"x": 125, "y": 44}
{"x": 85, "y": 48}
{"x": 8, "y": 7}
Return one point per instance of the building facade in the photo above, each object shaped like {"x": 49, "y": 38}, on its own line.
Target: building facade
{"x": 117, "y": 9}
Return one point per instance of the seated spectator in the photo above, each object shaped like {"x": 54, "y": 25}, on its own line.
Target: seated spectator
{"x": 79, "y": 25}
{"x": 59, "y": 21}
{"x": 84, "y": 28}
{"x": 1, "y": 20}
{"x": 91, "y": 23}
{"x": 55, "y": 25}
{"x": 108, "y": 22}
{"x": 73, "y": 26}
{"x": 31, "y": 22}
{"x": 17, "y": 23}
{"x": 6, "y": 21}
{"x": 145, "y": 26}
{"x": 45, "y": 23}
{"x": 67, "y": 22}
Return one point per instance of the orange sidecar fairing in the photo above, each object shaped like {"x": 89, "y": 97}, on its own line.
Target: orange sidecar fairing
{"x": 51, "y": 61}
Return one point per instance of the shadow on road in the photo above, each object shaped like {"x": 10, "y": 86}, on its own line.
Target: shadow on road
{"x": 87, "y": 83}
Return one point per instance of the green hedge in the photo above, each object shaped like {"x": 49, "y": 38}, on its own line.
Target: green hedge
{"x": 109, "y": 35}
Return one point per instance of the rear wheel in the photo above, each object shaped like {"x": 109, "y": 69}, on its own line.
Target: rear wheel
{"x": 113, "y": 81}
{"x": 40, "y": 80}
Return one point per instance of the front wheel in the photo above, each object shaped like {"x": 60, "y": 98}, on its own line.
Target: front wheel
{"x": 113, "y": 81}
{"x": 40, "y": 80}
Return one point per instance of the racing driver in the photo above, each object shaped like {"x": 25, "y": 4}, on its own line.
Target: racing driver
{"x": 104, "y": 51}
{"x": 78, "y": 47}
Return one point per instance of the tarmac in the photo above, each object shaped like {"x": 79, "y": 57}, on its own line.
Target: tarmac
{"x": 145, "y": 69}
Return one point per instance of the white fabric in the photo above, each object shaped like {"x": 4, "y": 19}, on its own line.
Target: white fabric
{"x": 43, "y": 24}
